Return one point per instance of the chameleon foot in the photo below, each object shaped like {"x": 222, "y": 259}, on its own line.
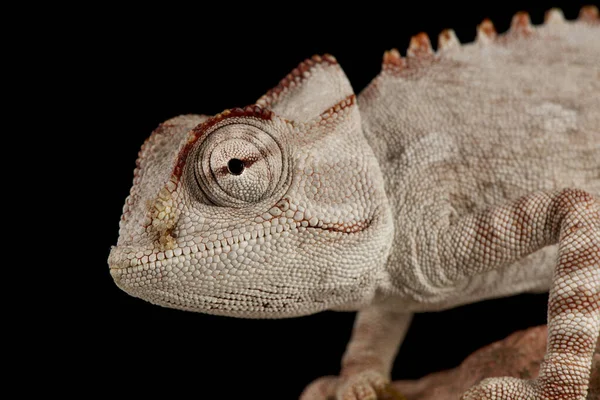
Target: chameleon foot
{"x": 366, "y": 385}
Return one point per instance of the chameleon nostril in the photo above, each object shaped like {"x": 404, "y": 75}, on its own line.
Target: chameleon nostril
{"x": 235, "y": 166}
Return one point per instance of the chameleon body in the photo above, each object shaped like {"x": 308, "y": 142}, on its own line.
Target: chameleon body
{"x": 468, "y": 173}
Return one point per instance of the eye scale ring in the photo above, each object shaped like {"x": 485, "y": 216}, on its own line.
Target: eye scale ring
{"x": 239, "y": 164}
{"x": 235, "y": 166}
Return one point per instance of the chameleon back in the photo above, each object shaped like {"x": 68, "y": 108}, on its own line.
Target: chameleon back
{"x": 490, "y": 121}
{"x": 477, "y": 125}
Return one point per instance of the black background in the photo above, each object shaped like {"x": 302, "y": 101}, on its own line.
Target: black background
{"x": 150, "y": 64}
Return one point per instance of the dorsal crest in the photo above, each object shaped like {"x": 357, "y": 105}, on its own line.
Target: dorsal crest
{"x": 420, "y": 53}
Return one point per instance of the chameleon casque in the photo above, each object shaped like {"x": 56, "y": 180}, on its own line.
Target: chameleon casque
{"x": 464, "y": 174}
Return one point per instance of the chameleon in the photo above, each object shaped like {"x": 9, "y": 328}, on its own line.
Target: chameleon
{"x": 467, "y": 173}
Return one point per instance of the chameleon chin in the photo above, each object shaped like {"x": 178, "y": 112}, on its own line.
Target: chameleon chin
{"x": 458, "y": 175}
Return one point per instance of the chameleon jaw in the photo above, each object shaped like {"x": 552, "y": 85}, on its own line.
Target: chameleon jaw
{"x": 148, "y": 277}
{"x": 130, "y": 258}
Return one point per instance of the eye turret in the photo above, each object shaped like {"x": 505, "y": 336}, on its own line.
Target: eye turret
{"x": 238, "y": 164}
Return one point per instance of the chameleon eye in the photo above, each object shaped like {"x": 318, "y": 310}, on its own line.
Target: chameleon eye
{"x": 235, "y": 166}
{"x": 239, "y": 164}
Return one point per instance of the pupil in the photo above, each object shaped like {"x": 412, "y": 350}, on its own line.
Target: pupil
{"x": 235, "y": 166}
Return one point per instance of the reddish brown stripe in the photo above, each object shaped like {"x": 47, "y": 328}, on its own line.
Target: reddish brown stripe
{"x": 347, "y": 102}
{"x": 572, "y": 261}
{"x": 576, "y": 301}
{"x": 249, "y": 111}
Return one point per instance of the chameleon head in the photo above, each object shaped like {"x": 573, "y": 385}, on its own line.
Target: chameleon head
{"x": 274, "y": 210}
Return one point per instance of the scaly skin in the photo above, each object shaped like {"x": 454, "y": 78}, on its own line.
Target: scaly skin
{"x": 456, "y": 176}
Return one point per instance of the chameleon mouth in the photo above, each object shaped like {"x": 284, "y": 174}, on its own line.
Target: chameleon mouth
{"x": 128, "y": 257}
{"x": 344, "y": 228}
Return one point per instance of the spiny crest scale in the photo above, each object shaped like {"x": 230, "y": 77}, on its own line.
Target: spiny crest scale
{"x": 589, "y": 14}
{"x": 554, "y": 16}
{"x": 521, "y": 26}
{"x": 419, "y": 51}
{"x": 448, "y": 40}
{"x": 392, "y": 60}
{"x": 486, "y": 32}
{"x": 420, "y": 47}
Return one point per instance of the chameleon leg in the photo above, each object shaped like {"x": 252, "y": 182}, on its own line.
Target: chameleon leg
{"x": 368, "y": 360}
{"x": 501, "y": 235}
